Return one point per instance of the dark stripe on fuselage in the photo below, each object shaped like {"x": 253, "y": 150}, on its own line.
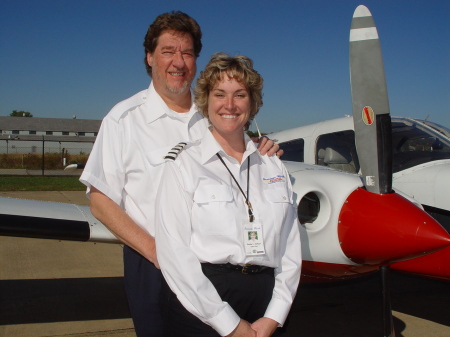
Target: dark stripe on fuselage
{"x": 43, "y": 228}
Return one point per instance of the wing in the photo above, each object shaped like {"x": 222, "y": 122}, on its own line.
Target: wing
{"x": 51, "y": 220}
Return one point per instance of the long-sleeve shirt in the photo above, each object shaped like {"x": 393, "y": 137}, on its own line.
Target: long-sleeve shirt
{"x": 199, "y": 218}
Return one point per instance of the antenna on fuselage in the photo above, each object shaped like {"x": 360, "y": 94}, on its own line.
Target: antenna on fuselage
{"x": 257, "y": 128}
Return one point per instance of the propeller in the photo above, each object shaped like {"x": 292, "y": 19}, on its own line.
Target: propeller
{"x": 370, "y": 104}
{"x": 371, "y": 117}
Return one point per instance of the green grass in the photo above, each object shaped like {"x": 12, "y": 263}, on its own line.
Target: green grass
{"x": 40, "y": 183}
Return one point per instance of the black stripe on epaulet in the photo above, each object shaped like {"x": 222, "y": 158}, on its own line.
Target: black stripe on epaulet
{"x": 173, "y": 153}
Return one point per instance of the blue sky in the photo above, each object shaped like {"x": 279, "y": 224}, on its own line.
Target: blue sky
{"x": 60, "y": 58}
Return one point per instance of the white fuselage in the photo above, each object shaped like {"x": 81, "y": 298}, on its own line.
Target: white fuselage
{"x": 424, "y": 177}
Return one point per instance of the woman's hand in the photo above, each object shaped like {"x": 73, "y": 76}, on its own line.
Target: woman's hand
{"x": 266, "y": 145}
{"x": 244, "y": 329}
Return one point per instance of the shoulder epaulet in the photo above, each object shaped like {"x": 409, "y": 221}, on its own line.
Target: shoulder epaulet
{"x": 126, "y": 105}
{"x": 173, "y": 153}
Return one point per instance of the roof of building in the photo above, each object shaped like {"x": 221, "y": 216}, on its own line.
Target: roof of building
{"x": 49, "y": 124}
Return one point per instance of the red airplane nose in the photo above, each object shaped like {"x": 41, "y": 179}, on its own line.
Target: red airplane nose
{"x": 434, "y": 265}
{"x": 384, "y": 228}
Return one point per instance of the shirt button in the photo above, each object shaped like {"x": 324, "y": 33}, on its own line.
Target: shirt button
{"x": 284, "y": 198}
{"x": 213, "y": 197}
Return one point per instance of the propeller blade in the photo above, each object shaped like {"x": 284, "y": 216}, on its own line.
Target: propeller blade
{"x": 370, "y": 104}
{"x": 74, "y": 167}
{"x": 388, "y": 322}
{"x": 372, "y": 122}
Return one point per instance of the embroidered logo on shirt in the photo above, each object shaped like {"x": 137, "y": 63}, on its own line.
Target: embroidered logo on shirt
{"x": 276, "y": 179}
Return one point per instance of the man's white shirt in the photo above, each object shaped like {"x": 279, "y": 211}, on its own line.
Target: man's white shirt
{"x": 126, "y": 161}
{"x": 199, "y": 219}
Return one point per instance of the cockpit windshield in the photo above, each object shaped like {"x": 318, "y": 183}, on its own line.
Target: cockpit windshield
{"x": 440, "y": 128}
{"x": 414, "y": 143}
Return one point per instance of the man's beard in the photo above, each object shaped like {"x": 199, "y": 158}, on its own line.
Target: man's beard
{"x": 177, "y": 90}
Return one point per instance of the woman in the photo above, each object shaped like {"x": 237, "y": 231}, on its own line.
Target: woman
{"x": 215, "y": 193}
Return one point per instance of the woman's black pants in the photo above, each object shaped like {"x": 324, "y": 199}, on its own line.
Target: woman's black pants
{"x": 248, "y": 295}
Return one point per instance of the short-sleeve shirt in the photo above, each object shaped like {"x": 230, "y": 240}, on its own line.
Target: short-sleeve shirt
{"x": 126, "y": 161}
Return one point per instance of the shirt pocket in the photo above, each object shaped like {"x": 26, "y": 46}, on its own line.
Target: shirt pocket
{"x": 213, "y": 210}
{"x": 156, "y": 157}
{"x": 279, "y": 201}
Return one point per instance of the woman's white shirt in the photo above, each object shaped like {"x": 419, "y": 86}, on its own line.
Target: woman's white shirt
{"x": 199, "y": 215}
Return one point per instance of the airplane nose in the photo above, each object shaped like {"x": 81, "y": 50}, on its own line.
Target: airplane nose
{"x": 384, "y": 228}
{"x": 429, "y": 239}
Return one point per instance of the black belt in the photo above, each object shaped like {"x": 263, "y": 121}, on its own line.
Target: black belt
{"x": 245, "y": 269}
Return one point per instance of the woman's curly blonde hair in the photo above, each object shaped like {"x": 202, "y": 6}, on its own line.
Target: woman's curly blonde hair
{"x": 237, "y": 67}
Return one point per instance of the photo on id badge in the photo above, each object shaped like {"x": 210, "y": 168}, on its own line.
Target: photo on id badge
{"x": 253, "y": 238}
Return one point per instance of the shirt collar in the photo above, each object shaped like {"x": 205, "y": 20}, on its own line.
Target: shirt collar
{"x": 157, "y": 108}
{"x": 210, "y": 147}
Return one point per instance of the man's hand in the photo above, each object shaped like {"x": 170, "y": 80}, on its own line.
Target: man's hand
{"x": 266, "y": 145}
{"x": 152, "y": 257}
{"x": 243, "y": 329}
{"x": 122, "y": 226}
{"x": 264, "y": 327}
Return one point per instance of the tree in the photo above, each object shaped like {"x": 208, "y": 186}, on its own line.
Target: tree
{"x": 20, "y": 113}
{"x": 255, "y": 134}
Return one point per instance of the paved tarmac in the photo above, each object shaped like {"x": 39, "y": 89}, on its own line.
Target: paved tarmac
{"x": 61, "y": 288}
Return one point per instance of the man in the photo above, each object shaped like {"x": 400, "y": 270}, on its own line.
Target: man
{"x": 125, "y": 165}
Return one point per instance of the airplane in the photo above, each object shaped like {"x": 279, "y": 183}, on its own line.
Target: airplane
{"x": 421, "y": 169}
{"x": 351, "y": 224}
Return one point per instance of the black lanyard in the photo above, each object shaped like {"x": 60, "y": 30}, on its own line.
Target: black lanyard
{"x": 247, "y": 202}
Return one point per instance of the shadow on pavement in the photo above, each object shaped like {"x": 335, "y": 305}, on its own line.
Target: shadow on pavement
{"x": 353, "y": 308}
{"x": 348, "y": 308}
{"x": 60, "y": 300}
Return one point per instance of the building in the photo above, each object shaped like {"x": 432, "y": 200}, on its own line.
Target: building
{"x": 37, "y": 135}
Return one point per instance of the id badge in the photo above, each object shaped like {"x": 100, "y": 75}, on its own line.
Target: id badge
{"x": 253, "y": 238}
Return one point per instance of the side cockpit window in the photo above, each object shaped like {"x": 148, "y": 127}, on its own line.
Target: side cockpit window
{"x": 337, "y": 150}
{"x": 415, "y": 144}
{"x": 294, "y": 150}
